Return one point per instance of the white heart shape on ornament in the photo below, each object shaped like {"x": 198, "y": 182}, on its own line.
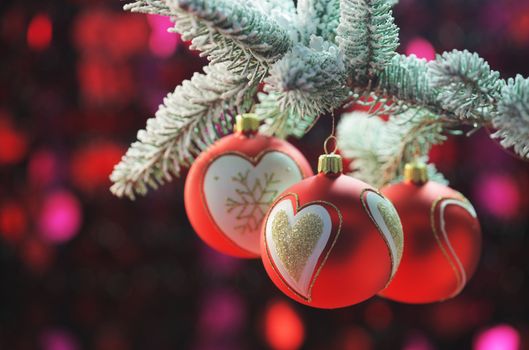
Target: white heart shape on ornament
{"x": 386, "y": 218}
{"x": 302, "y": 284}
{"x": 238, "y": 192}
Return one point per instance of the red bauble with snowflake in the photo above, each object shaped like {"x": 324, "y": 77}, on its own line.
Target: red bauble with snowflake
{"x": 331, "y": 241}
{"x": 442, "y": 239}
{"x": 231, "y": 185}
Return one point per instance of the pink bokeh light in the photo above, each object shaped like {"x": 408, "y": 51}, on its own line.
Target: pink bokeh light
{"x": 58, "y": 339}
{"x": 222, "y": 311}
{"x": 162, "y": 43}
{"x": 417, "y": 342}
{"x": 421, "y": 48}
{"x": 500, "y": 337}
{"x": 499, "y": 195}
{"x": 60, "y": 217}
{"x": 42, "y": 168}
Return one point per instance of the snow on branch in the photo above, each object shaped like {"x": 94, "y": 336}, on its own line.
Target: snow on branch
{"x": 466, "y": 84}
{"x": 227, "y": 31}
{"x": 320, "y": 17}
{"x": 314, "y": 59}
{"x": 512, "y": 119}
{"x": 368, "y": 37}
{"x": 379, "y": 149}
{"x": 282, "y": 122}
{"x": 310, "y": 80}
{"x": 192, "y": 117}
{"x": 231, "y": 31}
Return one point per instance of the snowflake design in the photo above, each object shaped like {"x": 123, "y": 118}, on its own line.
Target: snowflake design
{"x": 253, "y": 200}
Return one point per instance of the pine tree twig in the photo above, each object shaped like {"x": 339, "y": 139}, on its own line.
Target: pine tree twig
{"x": 310, "y": 80}
{"x": 319, "y": 17}
{"x": 314, "y": 60}
{"x": 282, "y": 122}
{"x": 380, "y": 149}
{"x": 512, "y": 119}
{"x": 466, "y": 84}
{"x": 192, "y": 117}
{"x": 229, "y": 31}
{"x": 368, "y": 37}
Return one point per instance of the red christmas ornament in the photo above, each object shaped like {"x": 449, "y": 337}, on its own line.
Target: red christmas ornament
{"x": 231, "y": 185}
{"x": 442, "y": 239}
{"x": 331, "y": 240}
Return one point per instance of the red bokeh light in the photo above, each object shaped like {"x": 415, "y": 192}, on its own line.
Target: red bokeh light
{"x": 354, "y": 338}
{"x": 104, "y": 82}
{"x": 444, "y": 156}
{"x": 39, "y": 32}
{"x": 42, "y": 168}
{"x": 378, "y": 314}
{"x": 13, "y": 221}
{"x": 455, "y": 316}
{"x": 519, "y": 26}
{"x": 284, "y": 328}
{"x": 37, "y": 255}
{"x": 13, "y": 144}
{"x": 92, "y": 164}
{"x": 112, "y": 35}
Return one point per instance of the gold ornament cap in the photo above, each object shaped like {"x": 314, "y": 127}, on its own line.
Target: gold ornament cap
{"x": 330, "y": 164}
{"x": 247, "y": 123}
{"x": 416, "y": 172}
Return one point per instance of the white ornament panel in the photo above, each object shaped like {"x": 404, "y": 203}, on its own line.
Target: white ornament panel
{"x": 239, "y": 193}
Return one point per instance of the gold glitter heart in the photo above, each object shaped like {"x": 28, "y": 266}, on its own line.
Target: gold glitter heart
{"x": 296, "y": 244}
{"x": 392, "y": 221}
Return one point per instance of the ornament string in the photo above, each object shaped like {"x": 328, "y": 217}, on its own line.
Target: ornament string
{"x": 331, "y": 138}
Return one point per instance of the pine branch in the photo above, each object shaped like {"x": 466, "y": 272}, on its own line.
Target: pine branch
{"x": 406, "y": 78}
{"x": 458, "y": 86}
{"x": 227, "y": 31}
{"x": 153, "y": 7}
{"x": 368, "y": 37}
{"x": 359, "y": 136}
{"x": 325, "y": 54}
{"x": 512, "y": 119}
{"x": 310, "y": 80}
{"x": 281, "y": 123}
{"x": 192, "y": 117}
{"x": 380, "y": 149}
{"x": 467, "y": 86}
{"x": 319, "y": 17}
{"x": 411, "y": 135}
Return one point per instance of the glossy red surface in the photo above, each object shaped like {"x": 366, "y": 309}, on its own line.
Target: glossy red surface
{"x": 431, "y": 262}
{"x": 359, "y": 264}
{"x": 252, "y": 147}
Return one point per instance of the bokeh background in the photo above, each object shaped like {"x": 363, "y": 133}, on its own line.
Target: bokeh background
{"x": 81, "y": 269}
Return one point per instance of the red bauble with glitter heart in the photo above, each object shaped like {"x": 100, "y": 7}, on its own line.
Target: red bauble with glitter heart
{"x": 231, "y": 185}
{"x": 331, "y": 241}
{"x": 442, "y": 239}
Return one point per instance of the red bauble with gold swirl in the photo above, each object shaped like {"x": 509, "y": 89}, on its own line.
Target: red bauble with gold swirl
{"x": 331, "y": 241}
{"x": 442, "y": 239}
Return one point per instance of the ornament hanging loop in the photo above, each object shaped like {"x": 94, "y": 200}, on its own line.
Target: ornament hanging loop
{"x": 330, "y": 141}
